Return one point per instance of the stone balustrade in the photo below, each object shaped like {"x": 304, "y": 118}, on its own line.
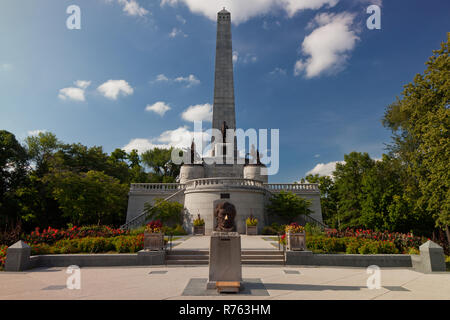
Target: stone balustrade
{"x": 236, "y": 182}
{"x": 158, "y": 187}
{"x": 303, "y": 187}
{"x": 211, "y": 182}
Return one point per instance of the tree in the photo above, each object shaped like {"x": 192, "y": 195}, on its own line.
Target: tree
{"x": 89, "y": 197}
{"x": 348, "y": 180}
{"x": 40, "y": 148}
{"x": 420, "y": 122}
{"x": 13, "y": 169}
{"x": 385, "y": 205}
{"x": 159, "y": 160}
{"x": 168, "y": 212}
{"x": 288, "y": 206}
{"x": 328, "y": 197}
{"x": 137, "y": 172}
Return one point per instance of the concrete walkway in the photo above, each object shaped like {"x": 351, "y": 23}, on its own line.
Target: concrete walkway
{"x": 247, "y": 243}
{"x": 286, "y": 283}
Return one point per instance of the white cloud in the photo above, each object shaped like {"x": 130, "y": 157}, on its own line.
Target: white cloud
{"x": 190, "y": 80}
{"x": 181, "y": 19}
{"x": 111, "y": 89}
{"x": 82, "y": 84}
{"x": 235, "y": 56}
{"x": 159, "y": 107}
{"x": 132, "y": 8}
{"x": 324, "y": 169}
{"x": 248, "y": 58}
{"x": 327, "y": 47}
{"x": 199, "y": 112}
{"x": 35, "y": 132}
{"x": 242, "y": 11}
{"x": 177, "y": 32}
{"x": 142, "y": 145}
{"x": 178, "y": 138}
{"x": 278, "y": 71}
{"x": 75, "y": 94}
{"x": 72, "y": 93}
{"x": 161, "y": 77}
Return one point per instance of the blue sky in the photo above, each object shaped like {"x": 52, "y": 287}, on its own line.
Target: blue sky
{"x": 160, "y": 58}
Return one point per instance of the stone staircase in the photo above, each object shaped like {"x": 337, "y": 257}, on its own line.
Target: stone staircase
{"x": 201, "y": 257}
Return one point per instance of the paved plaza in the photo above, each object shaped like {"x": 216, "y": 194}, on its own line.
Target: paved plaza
{"x": 188, "y": 282}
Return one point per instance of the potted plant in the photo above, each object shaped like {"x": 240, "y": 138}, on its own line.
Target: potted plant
{"x": 199, "y": 226}
{"x": 296, "y": 237}
{"x": 153, "y": 236}
{"x": 252, "y": 223}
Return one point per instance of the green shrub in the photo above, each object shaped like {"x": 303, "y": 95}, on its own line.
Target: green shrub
{"x": 323, "y": 244}
{"x": 120, "y": 244}
{"x": 352, "y": 245}
{"x": 320, "y": 244}
{"x": 137, "y": 231}
{"x": 377, "y": 247}
{"x": 313, "y": 229}
{"x": 413, "y": 251}
{"x": 273, "y": 229}
{"x": 178, "y": 230}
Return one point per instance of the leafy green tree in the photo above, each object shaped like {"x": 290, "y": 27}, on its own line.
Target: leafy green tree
{"x": 89, "y": 197}
{"x": 328, "y": 197}
{"x": 288, "y": 206}
{"x": 13, "y": 170}
{"x": 385, "y": 205}
{"x": 40, "y": 149}
{"x": 137, "y": 172}
{"x": 169, "y": 212}
{"x": 163, "y": 169}
{"x": 420, "y": 122}
{"x": 348, "y": 180}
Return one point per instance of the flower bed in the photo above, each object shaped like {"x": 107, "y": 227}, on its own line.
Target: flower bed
{"x": 119, "y": 244}
{"x": 51, "y": 235}
{"x": 321, "y": 244}
{"x": 403, "y": 242}
{"x": 2, "y": 256}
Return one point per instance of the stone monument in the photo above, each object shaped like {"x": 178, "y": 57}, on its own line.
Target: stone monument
{"x": 225, "y": 271}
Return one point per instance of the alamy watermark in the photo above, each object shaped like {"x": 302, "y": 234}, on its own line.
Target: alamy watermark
{"x": 222, "y": 145}
{"x": 74, "y": 280}
{"x": 74, "y": 20}
{"x": 374, "y": 21}
{"x": 374, "y": 281}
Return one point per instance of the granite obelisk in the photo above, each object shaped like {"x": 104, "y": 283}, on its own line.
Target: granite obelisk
{"x": 224, "y": 106}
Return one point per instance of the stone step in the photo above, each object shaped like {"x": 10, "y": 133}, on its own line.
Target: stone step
{"x": 187, "y": 257}
{"x": 188, "y": 252}
{"x": 262, "y": 252}
{"x": 265, "y": 262}
{"x": 187, "y": 262}
{"x": 206, "y": 262}
{"x": 261, "y": 257}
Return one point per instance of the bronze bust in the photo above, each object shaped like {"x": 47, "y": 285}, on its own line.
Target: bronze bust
{"x": 225, "y": 212}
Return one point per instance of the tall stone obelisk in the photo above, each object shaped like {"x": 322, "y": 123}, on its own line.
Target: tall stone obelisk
{"x": 224, "y": 107}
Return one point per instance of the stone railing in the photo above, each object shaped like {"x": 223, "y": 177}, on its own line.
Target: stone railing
{"x": 162, "y": 187}
{"x": 211, "y": 182}
{"x": 303, "y": 187}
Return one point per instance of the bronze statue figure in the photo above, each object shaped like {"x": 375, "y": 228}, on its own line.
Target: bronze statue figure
{"x": 224, "y": 131}
{"x": 192, "y": 152}
{"x": 224, "y": 213}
